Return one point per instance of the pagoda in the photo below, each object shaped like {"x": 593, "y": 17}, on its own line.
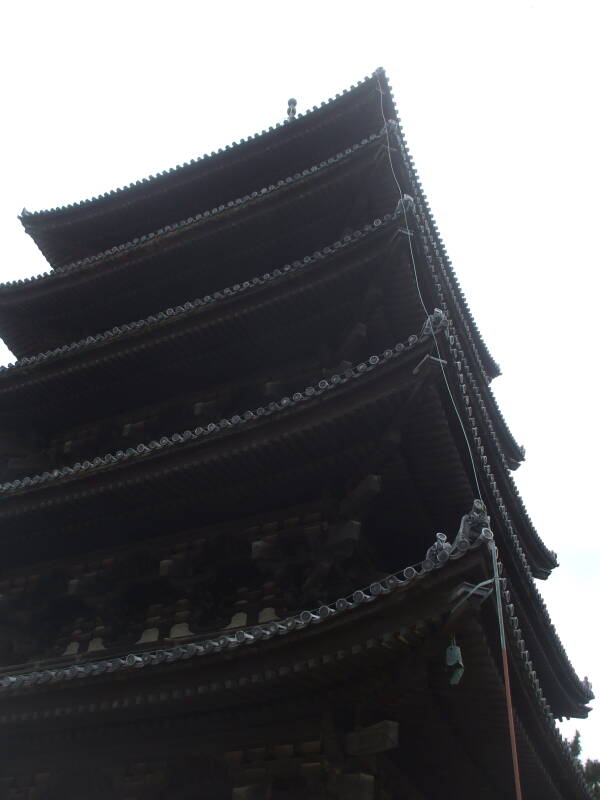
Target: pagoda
{"x": 254, "y": 485}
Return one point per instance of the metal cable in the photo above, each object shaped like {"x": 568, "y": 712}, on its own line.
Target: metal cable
{"x": 414, "y": 266}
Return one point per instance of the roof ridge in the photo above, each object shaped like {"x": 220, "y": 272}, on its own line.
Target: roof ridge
{"x": 191, "y": 306}
{"x": 148, "y": 180}
{"x": 88, "y": 261}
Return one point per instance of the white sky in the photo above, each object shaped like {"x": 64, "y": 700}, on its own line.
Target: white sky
{"x": 499, "y": 102}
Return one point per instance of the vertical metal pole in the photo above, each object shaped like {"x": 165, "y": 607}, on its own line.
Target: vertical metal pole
{"x": 509, "y": 705}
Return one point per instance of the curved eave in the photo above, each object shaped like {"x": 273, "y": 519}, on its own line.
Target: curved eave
{"x": 362, "y": 624}
{"x": 534, "y": 714}
{"x": 431, "y": 235}
{"x": 540, "y": 744}
{"x": 522, "y": 547}
{"x": 497, "y": 482}
{"x": 29, "y": 307}
{"x": 459, "y": 314}
{"x": 445, "y": 286}
{"x": 113, "y": 469}
{"x": 343, "y": 610}
{"x": 378, "y": 86}
{"x": 242, "y": 298}
{"x": 121, "y": 470}
{"x": 58, "y": 230}
{"x": 528, "y": 617}
{"x": 446, "y": 295}
{"x": 446, "y": 291}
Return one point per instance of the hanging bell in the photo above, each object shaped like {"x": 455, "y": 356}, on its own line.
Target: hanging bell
{"x": 454, "y": 663}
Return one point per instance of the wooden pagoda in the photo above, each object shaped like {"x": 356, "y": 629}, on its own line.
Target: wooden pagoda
{"x": 246, "y": 402}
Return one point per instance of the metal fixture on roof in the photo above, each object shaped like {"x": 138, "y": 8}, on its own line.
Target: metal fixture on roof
{"x": 406, "y": 204}
{"x": 434, "y": 323}
{"x": 472, "y": 526}
{"x": 291, "y": 111}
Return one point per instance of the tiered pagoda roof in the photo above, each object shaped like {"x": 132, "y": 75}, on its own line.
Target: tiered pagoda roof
{"x": 242, "y": 336}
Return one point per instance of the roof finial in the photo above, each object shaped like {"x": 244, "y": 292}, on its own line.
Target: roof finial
{"x": 291, "y": 112}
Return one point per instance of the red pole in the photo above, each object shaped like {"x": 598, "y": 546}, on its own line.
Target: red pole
{"x": 509, "y": 705}
{"x": 511, "y": 726}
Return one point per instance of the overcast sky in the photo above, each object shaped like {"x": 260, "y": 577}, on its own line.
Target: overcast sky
{"x": 499, "y": 101}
